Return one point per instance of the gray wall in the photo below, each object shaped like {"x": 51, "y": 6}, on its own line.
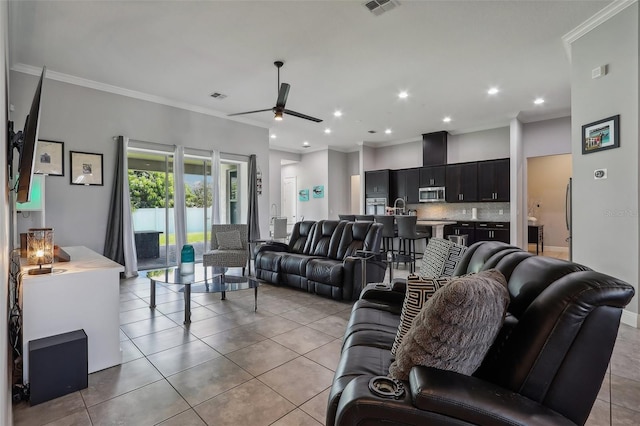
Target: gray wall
{"x": 87, "y": 119}
{"x": 399, "y": 156}
{"x": 605, "y": 212}
{"x": 548, "y": 137}
{"x": 5, "y": 244}
{"x": 353, "y": 163}
{"x": 478, "y": 146}
{"x": 339, "y": 187}
{"x": 312, "y": 170}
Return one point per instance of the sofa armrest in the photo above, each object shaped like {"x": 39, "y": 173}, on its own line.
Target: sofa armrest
{"x": 272, "y": 246}
{"x": 386, "y": 294}
{"x": 355, "y": 267}
{"x": 476, "y": 401}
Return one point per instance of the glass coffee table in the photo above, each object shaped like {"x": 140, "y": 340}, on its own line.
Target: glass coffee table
{"x": 205, "y": 279}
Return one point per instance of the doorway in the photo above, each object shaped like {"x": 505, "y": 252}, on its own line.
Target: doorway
{"x": 547, "y": 179}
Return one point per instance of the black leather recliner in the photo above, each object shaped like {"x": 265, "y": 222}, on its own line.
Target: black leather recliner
{"x": 545, "y": 367}
{"x": 321, "y": 258}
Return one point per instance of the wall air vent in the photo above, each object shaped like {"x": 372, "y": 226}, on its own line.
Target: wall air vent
{"x": 378, "y": 7}
{"x": 218, "y": 96}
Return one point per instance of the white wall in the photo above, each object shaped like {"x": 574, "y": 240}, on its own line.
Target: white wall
{"x": 399, "y": 156}
{"x": 353, "y": 163}
{"x": 477, "y": 146}
{"x": 5, "y": 371}
{"x": 87, "y": 119}
{"x": 605, "y": 212}
{"x": 339, "y": 184}
{"x": 548, "y": 137}
{"x": 312, "y": 170}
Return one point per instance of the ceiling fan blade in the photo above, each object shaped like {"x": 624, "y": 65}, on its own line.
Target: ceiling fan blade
{"x": 299, "y": 115}
{"x": 250, "y": 112}
{"x": 283, "y": 93}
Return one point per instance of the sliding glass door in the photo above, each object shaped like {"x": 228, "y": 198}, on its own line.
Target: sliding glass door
{"x": 198, "y": 186}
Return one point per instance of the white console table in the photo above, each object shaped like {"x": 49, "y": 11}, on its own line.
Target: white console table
{"x": 81, "y": 294}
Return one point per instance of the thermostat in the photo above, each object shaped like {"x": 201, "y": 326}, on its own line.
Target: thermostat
{"x": 600, "y": 174}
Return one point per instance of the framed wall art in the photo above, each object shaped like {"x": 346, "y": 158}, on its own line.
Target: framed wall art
{"x": 601, "y": 135}
{"x": 303, "y": 195}
{"x": 49, "y": 158}
{"x": 86, "y": 168}
{"x": 318, "y": 191}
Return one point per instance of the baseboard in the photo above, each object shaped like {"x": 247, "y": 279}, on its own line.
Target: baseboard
{"x": 629, "y": 318}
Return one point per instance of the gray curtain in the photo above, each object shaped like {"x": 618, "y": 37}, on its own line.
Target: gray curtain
{"x": 118, "y": 243}
{"x": 253, "y": 219}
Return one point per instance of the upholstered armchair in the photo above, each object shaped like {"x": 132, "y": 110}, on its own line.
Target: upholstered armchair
{"x": 229, "y": 247}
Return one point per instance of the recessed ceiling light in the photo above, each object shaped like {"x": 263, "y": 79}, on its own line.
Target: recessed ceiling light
{"x": 538, "y": 101}
{"x": 446, "y": 119}
{"x": 337, "y": 113}
{"x": 493, "y": 91}
{"x": 305, "y": 143}
{"x": 273, "y": 136}
{"x": 388, "y": 131}
{"x": 403, "y": 95}
{"x": 327, "y": 130}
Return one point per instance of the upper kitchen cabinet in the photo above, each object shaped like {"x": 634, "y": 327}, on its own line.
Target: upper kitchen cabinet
{"x": 493, "y": 180}
{"x": 404, "y": 184}
{"x": 432, "y": 176}
{"x": 376, "y": 183}
{"x": 434, "y": 148}
{"x": 462, "y": 182}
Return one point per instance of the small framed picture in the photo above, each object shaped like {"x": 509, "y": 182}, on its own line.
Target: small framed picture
{"x": 303, "y": 195}
{"x": 601, "y": 135}
{"x": 86, "y": 168}
{"x": 49, "y": 158}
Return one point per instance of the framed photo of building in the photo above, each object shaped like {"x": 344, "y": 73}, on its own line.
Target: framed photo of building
{"x": 86, "y": 168}
{"x": 601, "y": 135}
{"x": 49, "y": 158}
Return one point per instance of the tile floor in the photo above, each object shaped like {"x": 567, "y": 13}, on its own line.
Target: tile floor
{"x": 232, "y": 366}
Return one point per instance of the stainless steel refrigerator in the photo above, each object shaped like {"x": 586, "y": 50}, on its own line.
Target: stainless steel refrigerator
{"x": 568, "y": 219}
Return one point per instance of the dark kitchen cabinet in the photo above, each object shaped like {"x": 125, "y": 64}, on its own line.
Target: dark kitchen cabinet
{"x": 493, "y": 231}
{"x": 376, "y": 183}
{"x": 462, "y": 182}
{"x": 404, "y": 184}
{"x": 432, "y": 176}
{"x": 434, "y": 148}
{"x": 493, "y": 180}
{"x": 465, "y": 228}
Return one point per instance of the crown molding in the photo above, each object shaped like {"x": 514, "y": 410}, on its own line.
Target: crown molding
{"x": 596, "y": 20}
{"x": 103, "y": 87}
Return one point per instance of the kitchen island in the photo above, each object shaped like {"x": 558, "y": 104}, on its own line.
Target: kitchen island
{"x": 437, "y": 226}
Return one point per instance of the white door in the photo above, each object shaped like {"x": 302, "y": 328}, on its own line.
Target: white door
{"x": 289, "y": 205}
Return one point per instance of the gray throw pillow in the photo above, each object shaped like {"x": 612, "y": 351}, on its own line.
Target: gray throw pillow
{"x": 456, "y": 327}
{"x": 229, "y": 240}
{"x": 419, "y": 290}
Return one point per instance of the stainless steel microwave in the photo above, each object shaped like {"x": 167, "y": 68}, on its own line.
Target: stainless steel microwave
{"x": 432, "y": 194}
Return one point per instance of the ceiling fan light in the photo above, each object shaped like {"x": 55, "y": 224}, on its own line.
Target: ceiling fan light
{"x": 278, "y": 116}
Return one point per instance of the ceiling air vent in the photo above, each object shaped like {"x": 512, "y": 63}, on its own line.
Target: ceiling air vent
{"x": 371, "y": 131}
{"x": 378, "y": 7}
{"x": 219, "y": 96}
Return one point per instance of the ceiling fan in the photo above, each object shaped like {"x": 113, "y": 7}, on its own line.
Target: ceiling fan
{"x": 279, "y": 110}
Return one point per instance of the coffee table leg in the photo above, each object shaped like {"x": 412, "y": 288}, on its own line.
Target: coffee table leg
{"x": 187, "y": 303}
{"x": 255, "y": 300}
{"x": 152, "y": 303}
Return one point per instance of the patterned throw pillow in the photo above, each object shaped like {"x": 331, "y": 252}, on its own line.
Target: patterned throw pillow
{"x": 434, "y": 258}
{"x": 457, "y": 326}
{"x": 419, "y": 290}
{"x": 453, "y": 258}
{"x": 229, "y": 240}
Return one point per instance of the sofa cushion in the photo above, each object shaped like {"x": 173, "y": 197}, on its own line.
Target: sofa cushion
{"x": 325, "y": 271}
{"x": 456, "y": 327}
{"x": 229, "y": 240}
{"x": 419, "y": 290}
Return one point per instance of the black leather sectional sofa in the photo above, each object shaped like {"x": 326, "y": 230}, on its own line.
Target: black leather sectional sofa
{"x": 545, "y": 367}
{"x": 320, "y": 258}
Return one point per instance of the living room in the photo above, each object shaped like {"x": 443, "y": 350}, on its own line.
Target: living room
{"x": 87, "y": 118}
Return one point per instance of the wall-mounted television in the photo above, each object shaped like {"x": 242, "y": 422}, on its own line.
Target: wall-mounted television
{"x": 25, "y": 142}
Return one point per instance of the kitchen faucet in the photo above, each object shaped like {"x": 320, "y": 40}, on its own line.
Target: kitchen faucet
{"x": 395, "y": 205}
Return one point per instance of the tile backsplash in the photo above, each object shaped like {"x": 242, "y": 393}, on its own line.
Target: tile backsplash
{"x": 463, "y": 211}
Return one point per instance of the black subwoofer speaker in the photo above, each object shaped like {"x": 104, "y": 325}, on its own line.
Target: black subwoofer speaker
{"x": 58, "y": 365}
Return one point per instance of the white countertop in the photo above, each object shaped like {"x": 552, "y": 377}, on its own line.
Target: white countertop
{"x": 436, "y": 222}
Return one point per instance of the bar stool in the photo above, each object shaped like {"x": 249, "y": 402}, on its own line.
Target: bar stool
{"x": 407, "y": 234}
{"x": 388, "y": 231}
{"x": 347, "y": 217}
{"x": 364, "y": 218}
